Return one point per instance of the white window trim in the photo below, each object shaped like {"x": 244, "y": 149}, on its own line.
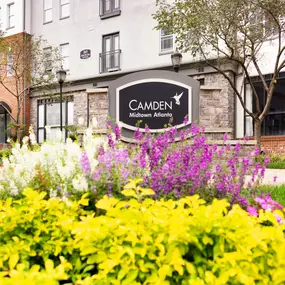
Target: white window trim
{"x": 9, "y": 72}
{"x": 46, "y": 49}
{"x": 9, "y": 15}
{"x": 44, "y": 11}
{"x": 60, "y": 9}
{"x": 168, "y": 51}
{"x": 63, "y": 57}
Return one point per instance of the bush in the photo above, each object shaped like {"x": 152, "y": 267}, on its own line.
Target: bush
{"x": 35, "y": 230}
{"x": 277, "y": 161}
{"x": 133, "y": 242}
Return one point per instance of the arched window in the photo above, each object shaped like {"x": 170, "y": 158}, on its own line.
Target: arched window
{"x": 4, "y": 121}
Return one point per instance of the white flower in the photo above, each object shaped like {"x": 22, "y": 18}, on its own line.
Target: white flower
{"x": 33, "y": 139}
{"x": 25, "y": 140}
{"x": 80, "y": 183}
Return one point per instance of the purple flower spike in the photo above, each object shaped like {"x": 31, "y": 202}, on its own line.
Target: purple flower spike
{"x": 84, "y": 163}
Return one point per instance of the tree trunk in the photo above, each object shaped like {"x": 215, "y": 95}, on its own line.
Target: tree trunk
{"x": 257, "y": 132}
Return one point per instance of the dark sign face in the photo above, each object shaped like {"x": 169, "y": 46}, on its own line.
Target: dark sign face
{"x": 86, "y": 53}
{"x": 154, "y": 102}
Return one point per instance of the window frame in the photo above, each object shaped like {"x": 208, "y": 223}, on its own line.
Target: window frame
{"x": 161, "y": 37}
{"x": 45, "y": 50}
{"x": 9, "y": 15}
{"x": 63, "y": 57}
{"x": 112, "y": 12}
{"x": 255, "y": 80}
{"x": 9, "y": 63}
{"x": 45, "y": 103}
{"x": 60, "y": 10}
{"x": 44, "y": 13}
{"x": 7, "y": 120}
{"x": 112, "y": 54}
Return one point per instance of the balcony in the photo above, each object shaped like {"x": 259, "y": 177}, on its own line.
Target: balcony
{"x": 109, "y": 8}
{"x": 110, "y": 61}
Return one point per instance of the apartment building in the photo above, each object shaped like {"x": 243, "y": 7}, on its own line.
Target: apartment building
{"x": 103, "y": 40}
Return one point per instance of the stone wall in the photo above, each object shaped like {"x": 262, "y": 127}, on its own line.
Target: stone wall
{"x": 98, "y": 107}
{"x": 217, "y": 106}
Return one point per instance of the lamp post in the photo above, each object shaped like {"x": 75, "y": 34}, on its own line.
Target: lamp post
{"x": 176, "y": 59}
{"x": 61, "y": 75}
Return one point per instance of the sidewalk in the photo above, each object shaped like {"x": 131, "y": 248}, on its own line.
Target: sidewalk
{"x": 271, "y": 173}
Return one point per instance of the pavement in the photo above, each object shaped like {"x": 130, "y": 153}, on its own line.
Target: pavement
{"x": 271, "y": 173}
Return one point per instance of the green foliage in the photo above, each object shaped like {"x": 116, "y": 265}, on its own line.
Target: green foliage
{"x": 150, "y": 242}
{"x": 277, "y": 161}
{"x": 277, "y": 192}
{"x": 5, "y": 153}
{"x": 35, "y": 230}
{"x": 276, "y": 165}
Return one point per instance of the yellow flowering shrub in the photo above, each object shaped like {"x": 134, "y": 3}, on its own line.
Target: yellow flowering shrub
{"x": 34, "y": 230}
{"x": 138, "y": 241}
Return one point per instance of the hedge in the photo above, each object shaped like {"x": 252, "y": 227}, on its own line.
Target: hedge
{"x": 138, "y": 241}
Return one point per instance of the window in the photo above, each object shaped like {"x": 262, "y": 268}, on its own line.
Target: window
{"x": 10, "y": 62}
{"x": 110, "y": 57}
{"x": 166, "y": 40}
{"x": 47, "y": 11}
{"x": 47, "y": 60}
{"x": 274, "y": 122}
{"x": 4, "y": 121}
{"x": 261, "y": 24}
{"x": 49, "y": 115}
{"x": 64, "y": 52}
{"x": 64, "y": 9}
{"x": 11, "y": 16}
{"x": 109, "y": 8}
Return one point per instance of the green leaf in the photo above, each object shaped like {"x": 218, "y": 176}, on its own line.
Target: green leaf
{"x": 146, "y": 192}
{"x": 83, "y": 201}
{"x": 129, "y": 193}
{"x": 13, "y": 260}
{"x": 131, "y": 276}
{"x": 49, "y": 266}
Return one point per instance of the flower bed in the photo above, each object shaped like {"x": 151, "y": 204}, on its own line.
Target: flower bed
{"x": 104, "y": 164}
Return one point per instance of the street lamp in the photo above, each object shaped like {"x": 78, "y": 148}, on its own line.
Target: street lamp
{"x": 61, "y": 75}
{"x": 176, "y": 59}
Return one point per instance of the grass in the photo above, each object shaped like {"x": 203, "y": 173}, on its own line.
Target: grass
{"x": 276, "y": 165}
{"x": 277, "y": 192}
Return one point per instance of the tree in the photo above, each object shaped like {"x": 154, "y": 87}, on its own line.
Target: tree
{"x": 236, "y": 31}
{"x": 26, "y": 63}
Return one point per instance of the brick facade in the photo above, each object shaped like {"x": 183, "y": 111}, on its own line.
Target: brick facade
{"x": 10, "y": 84}
{"x": 273, "y": 144}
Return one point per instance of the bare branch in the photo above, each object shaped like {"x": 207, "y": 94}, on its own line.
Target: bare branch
{"x": 7, "y": 110}
{"x": 232, "y": 85}
{"x": 259, "y": 73}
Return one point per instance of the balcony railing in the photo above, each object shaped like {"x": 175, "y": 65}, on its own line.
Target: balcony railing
{"x": 109, "y": 8}
{"x": 110, "y": 61}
